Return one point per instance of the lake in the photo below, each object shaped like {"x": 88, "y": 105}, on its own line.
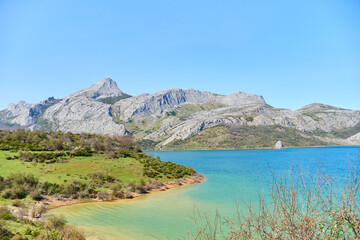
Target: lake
{"x": 230, "y": 175}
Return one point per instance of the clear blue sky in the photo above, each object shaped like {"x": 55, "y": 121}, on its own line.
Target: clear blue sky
{"x": 291, "y": 52}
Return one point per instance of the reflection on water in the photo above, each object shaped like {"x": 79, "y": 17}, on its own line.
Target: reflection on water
{"x": 230, "y": 174}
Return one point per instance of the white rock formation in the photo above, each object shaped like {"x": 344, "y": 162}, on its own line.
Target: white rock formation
{"x": 279, "y": 145}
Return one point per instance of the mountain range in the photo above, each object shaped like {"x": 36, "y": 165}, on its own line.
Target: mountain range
{"x": 187, "y": 119}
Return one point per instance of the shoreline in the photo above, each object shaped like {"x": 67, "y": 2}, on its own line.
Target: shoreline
{"x": 52, "y": 203}
{"x": 269, "y": 148}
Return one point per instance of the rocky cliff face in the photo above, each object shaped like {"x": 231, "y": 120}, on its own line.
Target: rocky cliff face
{"x": 25, "y": 114}
{"x": 155, "y": 105}
{"x": 177, "y": 114}
{"x": 82, "y": 112}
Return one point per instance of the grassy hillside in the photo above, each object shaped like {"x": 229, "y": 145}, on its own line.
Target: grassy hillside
{"x": 61, "y": 159}
{"x": 343, "y": 133}
{"x": 231, "y": 137}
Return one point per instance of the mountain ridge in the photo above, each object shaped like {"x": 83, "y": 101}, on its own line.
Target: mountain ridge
{"x": 178, "y": 114}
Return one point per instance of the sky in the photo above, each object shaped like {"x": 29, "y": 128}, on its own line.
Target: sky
{"x": 293, "y": 53}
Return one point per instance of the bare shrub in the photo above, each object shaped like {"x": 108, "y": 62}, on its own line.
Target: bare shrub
{"x": 36, "y": 195}
{"x": 55, "y": 222}
{"x": 136, "y": 187}
{"x": 104, "y": 196}
{"x": 17, "y": 203}
{"x": 126, "y": 142}
{"x": 38, "y": 211}
{"x": 72, "y": 233}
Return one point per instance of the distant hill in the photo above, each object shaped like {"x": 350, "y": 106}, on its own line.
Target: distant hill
{"x": 187, "y": 119}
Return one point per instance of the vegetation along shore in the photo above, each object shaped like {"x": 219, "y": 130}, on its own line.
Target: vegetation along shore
{"x": 42, "y": 170}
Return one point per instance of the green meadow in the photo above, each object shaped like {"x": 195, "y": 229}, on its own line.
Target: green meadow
{"x": 124, "y": 169}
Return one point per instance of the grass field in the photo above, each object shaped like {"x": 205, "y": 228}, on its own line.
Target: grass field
{"x": 125, "y": 169}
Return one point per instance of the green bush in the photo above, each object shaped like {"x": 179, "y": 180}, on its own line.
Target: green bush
{"x": 81, "y": 152}
{"x": 5, "y": 234}
{"x": 35, "y": 195}
{"x": 101, "y": 177}
{"x": 23, "y": 179}
{"x": 18, "y": 185}
{"x": 56, "y": 222}
{"x": 28, "y": 231}
{"x": 18, "y": 193}
{"x": 73, "y": 187}
{"x": 5, "y": 213}
{"x": 6, "y": 193}
{"x": 78, "y": 144}
{"x": 35, "y": 233}
{"x": 49, "y": 188}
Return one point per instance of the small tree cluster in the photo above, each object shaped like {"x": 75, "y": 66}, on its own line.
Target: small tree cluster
{"x": 79, "y": 144}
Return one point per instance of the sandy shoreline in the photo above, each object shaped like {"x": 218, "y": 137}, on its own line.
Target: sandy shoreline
{"x": 53, "y": 203}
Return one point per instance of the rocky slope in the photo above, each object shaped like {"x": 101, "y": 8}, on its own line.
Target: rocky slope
{"x": 25, "y": 114}
{"x": 84, "y": 112}
{"x": 355, "y": 138}
{"x": 176, "y": 116}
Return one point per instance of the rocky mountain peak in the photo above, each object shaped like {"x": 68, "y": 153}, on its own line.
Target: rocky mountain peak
{"x": 318, "y": 107}
{"x": 102, "y": 89}
{"x": 18, "y": 106}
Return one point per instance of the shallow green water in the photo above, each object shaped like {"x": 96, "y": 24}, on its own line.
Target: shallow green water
{"x": 230, "y": 174}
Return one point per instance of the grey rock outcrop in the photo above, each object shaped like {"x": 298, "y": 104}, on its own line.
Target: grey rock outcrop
{"x": 155, "y": 105}
{"x": 25, "y": 114}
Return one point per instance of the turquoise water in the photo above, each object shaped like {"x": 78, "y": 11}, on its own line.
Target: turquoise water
{"x": 232, "y": 174}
